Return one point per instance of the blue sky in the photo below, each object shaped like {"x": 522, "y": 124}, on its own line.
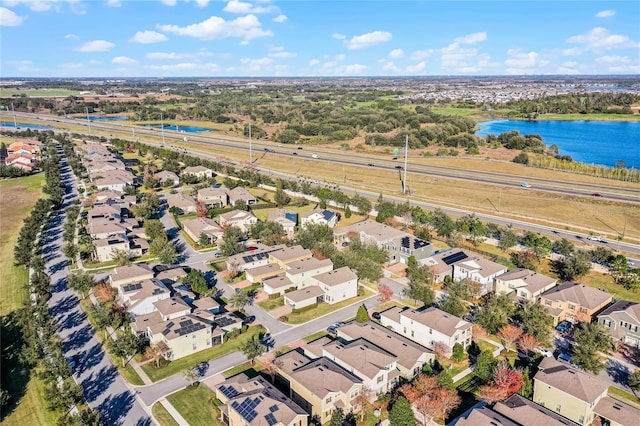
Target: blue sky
{"x": 227, "y": 38}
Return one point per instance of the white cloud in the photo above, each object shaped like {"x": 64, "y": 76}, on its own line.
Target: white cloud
{"x": 8, "y": 18}
{"x": 240, "y": 7}
{"x": 519, "y": 62}
{"x": 72, "y": 65}
{"x": 173, "y": 67}
{"x": 421, "y": 54}
{"x": 71, "y": 36}
{"x": 412, "y": 69}
{"x": 169, "y": 2}
{"x": 94, "y": 62}
{"x": 283, "y": 55}
{"x": 369, "y": 39}
{"x": 314, "y": 62}
{"x": 605, "y": 13}
{"x": 471, "y": 38}
{"x": 114, "y": 3}
{"x": 280, "y": 19}
{"x": 599, "y": 39}
{"x": 164, "y": 55}
{"x": 246, "y": 27}
{"x": 125, "y": 60}
{"x": 396, "y": 53}
{"x": 96, "y": 46}
{"x": 614, "y": 59}
{"x": 573, "y": 51}
{"x": 34, "y": 5}
{"x": 353, "y": 69}
{"x": 389, "y": 66}
{"x": 148, "y": 37}
{"x": 201, "y": 3}
{"x": 338, "y": 36}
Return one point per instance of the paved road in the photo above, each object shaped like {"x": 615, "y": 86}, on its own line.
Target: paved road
{"x": 103, "y": 387}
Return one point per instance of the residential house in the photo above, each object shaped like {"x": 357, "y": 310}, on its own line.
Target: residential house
{"x": 239, "y": 218}
{"x": 185, "y": 203}
{"x": 402, "y": 248}
{"x": 104, "y": 248}
{"x": 116, "y": 180}
{"x": 574, "y": 302}
{"x": 106, "y": 229}
{"x": 319, "y": 386}
{"x": 256, "y": 402}
{"x": 213, "y": 198}
{"x": 172, "y": 308}
{"x": 197, "y": 227}
{"x": 171, "y": 276}
{"x": 320, "y": 217}
{"x": 166, "y": 177}
{"x": 200, "y": 172}
{"x": 525, "y": 284}
{"x": 228, "y": 321}
{"x": 301, "y": 272}
{"x": 137, "y": 246}
{"x": 261, "y": 273}
{"x": 612, "y": 412}
{"x": 567, "y": 391}
{"x": 26, "y": 162}
{"x": 241, "y": 194}
{"x": 411, "y": 355}
{"x": 304, "y": 297}
{"x": 289, "y": 255}
{"x": 428, "y": 327}
{"x": 286, "y": 218}
{"x": 107, "y": 197}
{"x": 277, "y": 285}
{"x": 107, "y": 212}
{"x": 139, "y": 298}
{"x": 129, "y": 274}
{"x": 369, "y": 232}
{"x": 206, "y": 306}
{"x": 338, "y": 285}
{"x": 622, "y": 319}
{"x": 251, "y": 259}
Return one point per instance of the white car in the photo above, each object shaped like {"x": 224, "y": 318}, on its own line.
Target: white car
{"x": 315, "y": 156}
{"x": 545, "y": 352}
{"x": 595, "y": 238}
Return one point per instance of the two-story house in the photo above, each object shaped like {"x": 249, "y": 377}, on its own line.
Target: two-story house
{"x": 289, "y": 255}
{"x": 196, "y": 228}
{"x": 402, "y": 248}
{"x": 200, "y": 172}
{"x": 429, "y": 326}
{"x": 213, "y": 198}
{"x": 139, "y": 298}
{"x": 241, "y": 219}
{"x": 301, "y": 272}
{"x": 622, "y": 319}
{"x": 128, "y": 274}
{"x": 574, "y": 302}
{"x": 337, "y": 285}
{"x": 525, "y": 284}
{"x": 252, "y": 259}
{"x": 183, "y": 202}
{"x": 166, "y": 177}
{"x": 320, "y": 217}
{"x": 286, "y": 218}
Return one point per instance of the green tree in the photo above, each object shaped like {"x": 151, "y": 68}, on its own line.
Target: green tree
{"x": 269, "y": 233}
{"x": 121, "y": 257}
{"x": 125, "y": 346}
{"x": 102, "y": 314}
{"x": 443, "y": 223}
{"x": 337, "y": 417}
{"x": 153, "y": 229}
{"x": 420, "y": 291}
{"x": 526, "y": 389}
{"x": 401, "y": 413}
{"x": 445, "y": 379}
{"x": 347, "y": 212}
{"x": 362, "y": 204}
{"x": 633, "y": 382}
{"x": 521, "y": 158}
{"x": 81, "y": 282}
{"x": 198, "y": 281}
{"x": 362, "y": 315}
{"x": 458, "y": 352}
{"x": 508, "y": 239}
{"x": 240, "y": 299}
{"x": 589, "y": 340}
{"x": 231, "y": 241}
{"x": 563, "y": 246}
{"x": 281, "y": 198}
{"x": 536, "y": 321}
{"x": 203, "y": 240}
{"x": 164, "y": 250}
{"x": 574, "y": 266}
{"x": 495, "y": 313}
{"x": 252, "y": 348}
{"x": 313, "y": 234}
{"x": 538, "y": 244}
{"x": 485, "y": 364}
{"x": 619, "y": 268}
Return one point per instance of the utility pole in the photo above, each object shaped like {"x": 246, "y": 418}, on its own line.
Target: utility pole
{"x": 250, "y": 150}
{"x": 162, "y": 127}
{"x": 406, "y": 149}
{"x": 88, "y": 121}
{"x": 15, "y": 123}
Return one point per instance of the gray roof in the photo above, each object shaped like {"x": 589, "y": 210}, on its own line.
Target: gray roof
{"x": 337, "y": 276}
{"x": 135, "y": 270}
{"x": 361, "y": 355}
{"x": 574, "y": 382}
{"x": 630, "y": 308}
{"x": 290, "y": 253}
{"x": 305, "y": 265}
{"x": 277, "y": 282}
{"x": 380, "y": 232}
{"x": 526, "y": 412}
{"x": 617, "y": 411}
{"x": 534, "y": 280}
{"x": 485, "y": 416}
{"x": 436, "y": 319}
{"x": 171, "y": 305}
{"x": 580, "y": 294}
{"x": 304, "y": 293}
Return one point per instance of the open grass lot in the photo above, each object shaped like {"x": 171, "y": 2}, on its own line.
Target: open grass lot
{"x": 196, "y": 405}
{"x": 190, "y": 361}
{"x": 475, "y": 112}
{"x": 17, "y": 198}
{"x": 325, "y": 308}
{"x": 162, "y": 415}
{"x": 37, "y": 93}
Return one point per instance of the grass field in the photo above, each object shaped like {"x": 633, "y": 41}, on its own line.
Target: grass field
{"x": 162, "y": 415}
{"x": 196, "y": 406}
{"x": 324, "y": 308}
{"x": 17, "y": 198}
{"x": 38, "y": 93}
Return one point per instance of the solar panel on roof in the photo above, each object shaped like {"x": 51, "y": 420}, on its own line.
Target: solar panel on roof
{"x": 130, "y": 287}
{"x": 418, "y": 243}
{"x": 273, "y": 408}
{"x": 453, "y": 258}
{"x": 270, "y": 418}
{"x": 229, "y": 391}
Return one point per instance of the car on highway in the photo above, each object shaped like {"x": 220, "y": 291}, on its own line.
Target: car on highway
{"x": 630, "y": 262}
{"x": 370, "y": 164}
{"x": 299, "y": 147}
{"x": 525, "y": 185}
{"x": 294, "y": 153}
{"x": 596, "y": 194}
{"x": 315, "y": 156}
{"x": 596, "y": 238}
{"x": 394, "y": 158}
{"x": 399, "y": 167}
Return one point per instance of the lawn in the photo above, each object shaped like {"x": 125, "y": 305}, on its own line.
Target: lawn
{"x": 270, "y": 304}
{"x": 324, "y": 308}
{"x": 625, "y": 396}
{"x": 38, "y": 93}
{"x": 606, "y": 283}
{"x": 162, "y": 415}
{"x": 191, "y": 361}
{"x": 17, "y": 198}
{"x": 196, "y": 406}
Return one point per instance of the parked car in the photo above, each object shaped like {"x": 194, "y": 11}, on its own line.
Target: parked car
{"x": 376, "y": 315}
{"x": 217, "y": 255}
{"x": 564, "y": 326}
{"x": 543, "y": 352}
{"x": 333, "y": 330}
{"x": 566, "y": 358}
{"x": 248, "y": 320}
{"x": 252, "y": 248}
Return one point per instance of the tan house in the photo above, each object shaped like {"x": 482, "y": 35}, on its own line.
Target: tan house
{"x": 369, "y": 232}
{"x": 256, "y": 402}
{"x": 197, "y": 227}
{"x": 104, "y": 248}
{"x": 251, "y": 259}
{"x": 261, "y": 273}
{"x": 171, "y": 308}
{"x": 240, "y": 194}
{"x": 622, "y": 319}
{"x": 238, "y": 218}
{"x": 139, "y": 298}
{"x": 574, "y": 302}
{"x": 186, "y": 203}
{"x": 338, "y": 285}
{"x": 128, "y": 274}
{"x": 301, "y": 272}
{"x": 319, "y": 386}
{"x": 166, "y": 177}
{"x": 106, "y": 229}
{"x": 411, "y": 356}
{"x": 304, "y": 297}
{"x": 213, "y": 198}
{"x": 289, "y": 255}
{"x": 428, "y": 327}
{"x": 277, "y": 285}
{"x": 524, "y": 284}
{"x": 200, "y": 172}
{"x": 286, "y": 218}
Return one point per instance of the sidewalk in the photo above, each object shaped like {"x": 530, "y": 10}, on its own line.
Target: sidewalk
{"x": 174, "y": 413}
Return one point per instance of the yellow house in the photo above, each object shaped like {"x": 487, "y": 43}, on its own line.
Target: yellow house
{"x": 288, "y": 255}
{"x": 574, "y": 302}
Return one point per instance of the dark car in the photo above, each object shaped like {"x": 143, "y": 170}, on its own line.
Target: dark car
{"x": 332, "y": 329}
{"x": 370, "y": 164}
{"x": 299, "y": 147}
{"x": 294, "y": 153}
{"x": 252, "y": 248}
{"x": 399, "y": 167}
{"x": 564, "y": 326}
{"x": 394, "y": 158}
{"x": 595, "y": 194}
{"x": 249, "y": 319}
{"x": 376, "y": 315}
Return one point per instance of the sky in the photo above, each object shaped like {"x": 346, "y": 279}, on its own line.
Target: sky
{"x": 308, "y": 38}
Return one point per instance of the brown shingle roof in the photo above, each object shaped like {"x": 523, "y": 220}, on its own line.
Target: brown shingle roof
{"x": 569, "y": 380}
{"x": 361, "y": 355}
{"x": 535, "y": 281}
{"x": 438, "y": 320}
{"x": 617, "y": 411}
{"x": 337, "y": 276}
{"x": 580, "y": 294}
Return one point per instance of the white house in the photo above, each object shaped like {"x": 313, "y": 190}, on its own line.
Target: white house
{"x": 301, "y": 272}
{"x": 320, "y": 217}
{"x": 139, "y": 298}
{"x": 239, "y": 218}
{"x": 338, "y": 285}
{"x": 200, "y": 172}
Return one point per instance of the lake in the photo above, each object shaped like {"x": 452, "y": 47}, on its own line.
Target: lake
{"x": 25, "y": 126}
{"x": 591, "y": 142}
{"x": 182, "y": 129}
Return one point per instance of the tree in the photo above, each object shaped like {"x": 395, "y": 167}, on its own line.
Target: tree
{"x": 121, "y": 257}
{"x": 81, "y": 282}
{"x": 573, "y": 266}
{"x": 201, "y": 209}
{"x": 312, "y": 234}
{"x": 526, "y": 389}
{"x": 102, "y": 314}
{"x": 485, "y": 364}
{"x": 527, "y": 343}
{"x": 445, "y": 379}
{"x": 521, "y": 158}
{"x": 589, "y": 340}
{"x": 524, "y": 259}
{"x": 495, "y": 313}
{"x": 536, "y": 321}
{"x": 203, "y": 239}
{"x": 619, "y": 268}
{"x": 270, "y": 233}
{"x": 125, "y": 346}
{"x": 191, "y": 375}
{"x": 458, "y": 352}
{"x": 157, "y": 351}
{"x": 508, "y": 239}
{"x": 563, "y": 246}
{"x": 164, "y": 250}
{"x": 240, "y": 299}
{"x": 538, "y": 244}
{"x": 271, "y": 365}
{"x": 401, "y": 413}
{"x": 443, "y": 223}
{"x": 385, "y": 293}
{"x": 153, "y": 229}
{"x": 337, "y": 417}
{"x": 601, "y": 254}
{"x": 252, "y": 348}
{"x": 509, "y": 333}
{"x": 70, "y": 250}
{"x": 362, "y": 315}
{"x": 507, "y": 379}
{"x": 347, "y": 212}
{"x": 198, "y": 281}
{"x": 231, "y": 241}
{"x": 281, "y": 198}
{"x": 633, "y": 382}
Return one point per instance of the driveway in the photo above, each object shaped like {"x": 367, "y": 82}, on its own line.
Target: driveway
{"x": 103, "y": 387}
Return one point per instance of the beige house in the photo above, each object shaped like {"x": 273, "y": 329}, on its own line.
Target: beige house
{"x": 286, "y": 218}
{"x": 139, "y": 298}
{"x": 106, "y": 229}
{"x": 165, "y": 177}
{"x": 200, "y": 172}
{"x": 240, "y": 194}
{"x": 171, "y": 308}
{"x": 320, "y": 217}
{"x": 261, "y": 273}
{"x": 186, "y": 203}
{"x": 304, "y": 297}
{"x": 251, "y": 259}
{"x": 256, "y": 402}
{"x": 104, "y": 248}
{"x": 128, "y": 274}
{"x": 567, "y": 391}
{"x": 277, "y": 285}
{"x": 213, "y": 197}
{"x": 289, "y": 255}
{"x": 622, "y": 319}
{"x": 524, "y": 283}
{"x": 338, "y": 285}
{"x": 238, "y": 218}
{"x": 428, "y": 327}
{"x": 197, "y": 227}
{"x": 574, "y": 302}
{"x": 319, "y": 386}
{"x": 411, "y": 355}
{"x": 301, "y": 272}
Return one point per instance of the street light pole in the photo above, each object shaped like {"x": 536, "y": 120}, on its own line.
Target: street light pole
{"x": 88, "y": 121}
{"x": 15, "y": 123}
{"x": 406, "y": 148}
{"x": 162, "y": 127}
{"x": 250, "y": 148}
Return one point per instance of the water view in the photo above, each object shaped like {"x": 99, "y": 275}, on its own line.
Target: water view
{"x": 181, "y": 129}
{"x": 25, "y": 126}
{"x": 105, "y": 118}
{"x": 591, "y": 142}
